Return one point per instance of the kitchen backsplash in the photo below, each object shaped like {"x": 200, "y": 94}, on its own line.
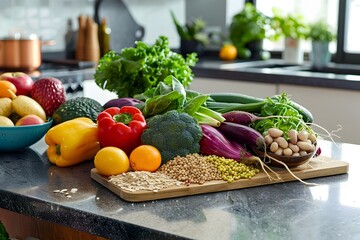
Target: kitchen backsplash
{"x": 48, "y": 18}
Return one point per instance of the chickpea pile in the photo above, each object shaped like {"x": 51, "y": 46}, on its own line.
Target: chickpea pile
{"x": 231, "y": 170}
{"x": 298, "y": 143}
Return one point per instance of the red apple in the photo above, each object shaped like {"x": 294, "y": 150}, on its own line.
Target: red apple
{"x": 29, "y": 120}
{"x": 22, "y": 82}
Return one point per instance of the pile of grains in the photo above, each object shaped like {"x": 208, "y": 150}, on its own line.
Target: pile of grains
{"x": 143, "y": 180}
{"x": 231, "y": 170}
{"x": 193, "y": 168}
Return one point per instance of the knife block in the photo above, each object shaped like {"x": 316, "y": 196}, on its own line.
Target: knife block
{"x": 91, "y": 48}
{"x": 87, "y": 47}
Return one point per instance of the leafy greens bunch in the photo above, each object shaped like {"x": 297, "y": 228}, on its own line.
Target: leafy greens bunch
{"x": 171, "y": 95}
{"x": 139, "y": 68}
{"x": 288, "y": 114}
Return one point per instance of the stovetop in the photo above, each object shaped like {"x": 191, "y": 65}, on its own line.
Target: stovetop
{"x": 64, "y": 68}
{"x": 71, "y": 76}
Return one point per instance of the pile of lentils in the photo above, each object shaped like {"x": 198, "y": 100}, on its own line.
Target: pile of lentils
{"x": 196, "y": 168}
{"x": 193, "y": 168}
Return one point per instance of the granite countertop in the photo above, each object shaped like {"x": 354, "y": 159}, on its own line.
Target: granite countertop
{"x": 291, "y": 210}
{"x": 339, "y": 76}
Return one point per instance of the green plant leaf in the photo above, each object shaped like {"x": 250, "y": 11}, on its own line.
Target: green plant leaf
{"x": 136, "y": 69}
{"x": 321, "y": 31}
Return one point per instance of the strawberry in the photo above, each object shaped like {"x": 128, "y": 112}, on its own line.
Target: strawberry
{"x": 49, "y": 92}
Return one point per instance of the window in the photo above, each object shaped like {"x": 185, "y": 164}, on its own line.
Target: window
{"x": 342, "y": 15}
{"x": 352, "y": 36}
{"x": 311, "y": 11}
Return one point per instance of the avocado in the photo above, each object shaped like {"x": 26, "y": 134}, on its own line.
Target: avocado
{"x": 77, "y": 107}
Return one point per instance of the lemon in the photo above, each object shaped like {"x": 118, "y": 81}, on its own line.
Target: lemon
{"x": 111, "y": 161}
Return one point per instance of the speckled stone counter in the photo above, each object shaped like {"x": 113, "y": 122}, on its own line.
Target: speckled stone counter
{"x": 330, "y": 210}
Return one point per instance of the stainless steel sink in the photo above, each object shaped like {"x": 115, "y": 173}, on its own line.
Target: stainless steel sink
{"x": 279, "y": 65}
{"x": 271, "y": 63}
{"x": 336, "y": 69}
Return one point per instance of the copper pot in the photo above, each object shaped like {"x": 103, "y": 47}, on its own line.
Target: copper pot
{"x": 21, "y": 54}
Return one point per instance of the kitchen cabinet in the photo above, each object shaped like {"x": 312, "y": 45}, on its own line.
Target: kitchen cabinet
{"x": 23, "y": 227}
{"x": 331, "y": 108}
{"x": 210, "y": 85}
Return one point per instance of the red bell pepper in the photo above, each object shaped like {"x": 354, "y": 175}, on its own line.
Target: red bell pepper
{"x": 121, "y": 127}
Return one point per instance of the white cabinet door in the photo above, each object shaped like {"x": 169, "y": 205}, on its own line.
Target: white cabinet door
{"x": 330, "y": 108}
{"x": 211, "y": 85}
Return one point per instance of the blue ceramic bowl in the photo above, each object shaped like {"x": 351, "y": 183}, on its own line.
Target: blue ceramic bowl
{"x": 19, "y": 137}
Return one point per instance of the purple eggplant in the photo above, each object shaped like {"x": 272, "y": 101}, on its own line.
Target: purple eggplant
{"x": 120, "y": 102}
{"x": 242, "y": 134}
{"x": 241, "y": 117}
{"x": 214, "y": 142}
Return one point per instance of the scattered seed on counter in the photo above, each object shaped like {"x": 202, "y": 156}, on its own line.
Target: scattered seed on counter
{"x": 143, "y": 180}
{"x": 193, "y": 168}
{"x": 66, "y": 192}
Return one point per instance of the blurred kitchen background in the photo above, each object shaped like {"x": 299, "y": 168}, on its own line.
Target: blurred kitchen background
{"x": 132, "y": 20}
{"x": 49, "y": 18}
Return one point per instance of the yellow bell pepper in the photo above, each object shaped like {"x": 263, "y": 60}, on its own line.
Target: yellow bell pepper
{"x": 72, "y": 142}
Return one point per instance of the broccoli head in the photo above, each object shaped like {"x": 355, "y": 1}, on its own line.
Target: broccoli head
{"x": 174, "y": 134}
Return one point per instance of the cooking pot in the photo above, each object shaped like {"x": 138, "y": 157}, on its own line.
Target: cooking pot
{"x": 19, "y": 53}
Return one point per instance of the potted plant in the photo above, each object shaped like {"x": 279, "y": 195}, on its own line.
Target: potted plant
{"x": 294, "y": 29}
{"x": 192, "y": 36}
{"x": 247, "y": 31}
{"x": 320, "y": 35}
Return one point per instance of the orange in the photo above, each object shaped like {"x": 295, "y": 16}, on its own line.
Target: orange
{"x": 145, "y": 158}
{"x": 4, "y": 86}
{"x": 228, "y": 52}
{"x": 111, "y": 161}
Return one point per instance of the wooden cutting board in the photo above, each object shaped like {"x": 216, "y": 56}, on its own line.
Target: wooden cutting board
{"x": 317, "y": 167}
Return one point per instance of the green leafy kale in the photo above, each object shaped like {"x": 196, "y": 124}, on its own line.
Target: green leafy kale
{"x": 139, "y": 68}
